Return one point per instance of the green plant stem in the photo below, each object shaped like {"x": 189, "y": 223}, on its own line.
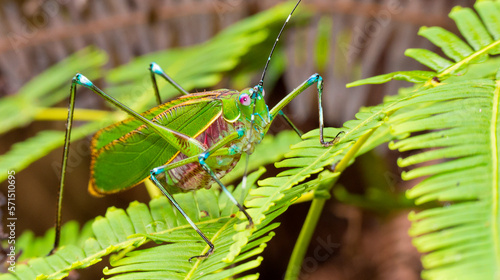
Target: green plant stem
{"x": 299, "y": 251}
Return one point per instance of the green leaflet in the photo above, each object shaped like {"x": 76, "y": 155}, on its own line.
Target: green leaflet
{"x": 489, "y": 10}
{"x": 409, "y": 76}
{"x": 471, "y": 27}
{"x": 429, "y": 59}
{"x": 452, "y": 46}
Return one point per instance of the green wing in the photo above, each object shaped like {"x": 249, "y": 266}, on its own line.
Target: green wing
{"x": 123, "y": 154}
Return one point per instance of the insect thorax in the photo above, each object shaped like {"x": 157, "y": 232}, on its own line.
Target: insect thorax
{"x": 192, "y": 176}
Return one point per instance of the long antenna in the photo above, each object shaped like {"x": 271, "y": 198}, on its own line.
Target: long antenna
{"x": 260, "y": 87}
{"x": 275, "y": 43}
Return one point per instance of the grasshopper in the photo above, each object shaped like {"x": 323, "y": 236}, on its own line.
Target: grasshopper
{"x": 188, "y": 143}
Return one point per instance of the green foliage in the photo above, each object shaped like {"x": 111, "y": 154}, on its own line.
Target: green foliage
{"x": 453, "y": 125}
{"x": 120, "y": 232}
{"x": 270, "y": 150}
{"x": 449, "y": 119}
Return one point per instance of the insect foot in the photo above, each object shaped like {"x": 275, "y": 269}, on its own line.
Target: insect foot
{"x": 333, "y": 142}
{"x": 250, "y": 224}
{"x": 202, "y": 257}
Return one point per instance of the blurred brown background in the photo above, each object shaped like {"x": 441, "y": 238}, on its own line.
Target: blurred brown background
{"x": 372, "y": 244}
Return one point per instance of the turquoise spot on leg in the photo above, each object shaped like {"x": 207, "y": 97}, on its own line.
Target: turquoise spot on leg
{"x": 234, "y": 150}
{"x": 202, "y": 157}
{"x": 82, "y": 80}
{"x": 155, "y": 68}
{"x": 241, "y": 132}
{"x": 313, "y": 79}
{"x": 157, "y": 170}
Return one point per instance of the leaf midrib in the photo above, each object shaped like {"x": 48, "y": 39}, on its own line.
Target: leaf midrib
{"x": 468, "y": 59}
{"x": 191, "y": 272}
{"x": 494, "y": 184}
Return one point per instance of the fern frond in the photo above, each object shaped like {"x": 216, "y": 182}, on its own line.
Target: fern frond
{"x": 122, "y": 231}
{"x": 482, "y": 39}
{"x": 454, "y": 126}
{"x": 462, "y": 240}
{"x": 458, "y": 121}
{"x": 455, "y": 122}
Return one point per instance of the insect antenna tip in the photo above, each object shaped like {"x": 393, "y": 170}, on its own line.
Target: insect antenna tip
{"x": 261, "y": 83}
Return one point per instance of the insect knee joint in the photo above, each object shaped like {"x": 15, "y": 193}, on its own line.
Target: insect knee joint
{"x": 155, "y": 68}
{"x": 155, "y": 171}
{"x": 314, "y": 78}
{"x": 202, "y": 157}
{"x": 82, "y": 80}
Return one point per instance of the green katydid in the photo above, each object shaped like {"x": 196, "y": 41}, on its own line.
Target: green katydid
{"x": 188, "y": 143}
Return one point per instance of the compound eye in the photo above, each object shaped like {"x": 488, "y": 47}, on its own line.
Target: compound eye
{"x": 245, "y": 99}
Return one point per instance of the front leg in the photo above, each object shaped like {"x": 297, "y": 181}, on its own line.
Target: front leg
{"x": 319, "y": 80}
{"x": 314, "y": 79}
